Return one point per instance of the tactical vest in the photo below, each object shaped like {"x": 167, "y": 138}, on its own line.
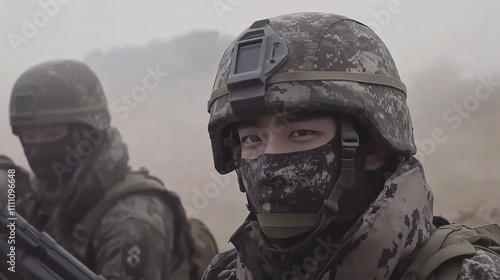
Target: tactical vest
{"x": 446, "y": 248}
{"x": 194, "y": 245}
{"x": 442, "y": 255}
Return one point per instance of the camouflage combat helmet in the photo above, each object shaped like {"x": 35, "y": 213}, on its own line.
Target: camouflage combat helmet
{"x": 58, "y": 92}
{"x": 308, "y": 62}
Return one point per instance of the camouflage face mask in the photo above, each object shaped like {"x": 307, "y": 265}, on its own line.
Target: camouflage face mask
{"x": 42, "y": 157}
{"x": 292, "y": 183}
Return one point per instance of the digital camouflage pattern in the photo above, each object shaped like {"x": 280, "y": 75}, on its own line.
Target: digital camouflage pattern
{"x": 396, "y": 223}
{"x": 61, "y": 91}
{"x": 325, "y": 42}
{"x": 135, "y": 237}
{"x": 308, "y": 176}
{"x": 484, "y": 265}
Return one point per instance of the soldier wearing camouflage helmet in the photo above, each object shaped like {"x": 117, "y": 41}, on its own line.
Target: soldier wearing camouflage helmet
{"x": 310, "y": 112}
{"x": 121, "y": 223}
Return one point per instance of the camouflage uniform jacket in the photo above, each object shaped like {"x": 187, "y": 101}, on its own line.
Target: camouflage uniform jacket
{"x": 135, "y": 237}
{"x": 21, "y": 178}
{"x": 395, "y": 224}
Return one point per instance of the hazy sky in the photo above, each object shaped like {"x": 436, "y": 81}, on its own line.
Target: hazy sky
{"x": 417, "y": 32}
{"x": 434, "y": 44}
{"x": 463, "y": 29}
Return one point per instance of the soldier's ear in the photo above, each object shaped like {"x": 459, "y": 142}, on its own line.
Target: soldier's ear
{"x": 376, "y": 160}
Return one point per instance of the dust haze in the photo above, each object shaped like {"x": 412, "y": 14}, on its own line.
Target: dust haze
{"x": 165, "y": 125}
{"x": 166, "y": 129}
{"x": 463, "y": 110}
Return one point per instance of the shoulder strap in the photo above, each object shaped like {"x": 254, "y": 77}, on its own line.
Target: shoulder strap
{"x": 432, "y": 255}
{"x": 449, "y": 242}
{"x": 205, "y": 246}
{"x": 493, "y": 232}
{"x": 132, "y": 183}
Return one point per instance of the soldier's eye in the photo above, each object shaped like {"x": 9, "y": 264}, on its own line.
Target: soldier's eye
{"x": 250, "y": 139}
{"x": 55, "y": 133}
{"x": 28, "y": 136}
{"x": 299, "y": 133}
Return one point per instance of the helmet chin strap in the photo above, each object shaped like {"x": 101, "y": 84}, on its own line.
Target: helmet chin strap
{"x": 283, "y": 226}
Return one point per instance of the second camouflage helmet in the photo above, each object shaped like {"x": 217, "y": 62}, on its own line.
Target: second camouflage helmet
{"x": 309, "y": 62}
{"x": 60, "y": 91}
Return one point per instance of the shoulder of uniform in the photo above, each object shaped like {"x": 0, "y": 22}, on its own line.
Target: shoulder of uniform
{"x": 139, "y": 209}
{"x": 6, "y": 162}
{"x": 149, "y": 181}
{"x": 222, "y": 266}
{"x": 144, "y": 174}
{"x": 139, "y": 202}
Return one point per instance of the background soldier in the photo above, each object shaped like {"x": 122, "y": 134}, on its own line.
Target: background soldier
{"x": 118, "y": 222}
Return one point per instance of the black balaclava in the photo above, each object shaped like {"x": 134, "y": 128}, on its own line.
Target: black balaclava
{"x": 57, "y": 160}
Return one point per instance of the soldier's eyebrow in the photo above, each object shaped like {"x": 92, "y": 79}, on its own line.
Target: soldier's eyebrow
{"x": 301, "y": 117}
{"x": 247, "y": 124}
{"x": 283, "y": 119}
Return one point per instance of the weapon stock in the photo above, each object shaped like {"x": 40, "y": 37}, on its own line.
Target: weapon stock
{"x": 26, "y": 252}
